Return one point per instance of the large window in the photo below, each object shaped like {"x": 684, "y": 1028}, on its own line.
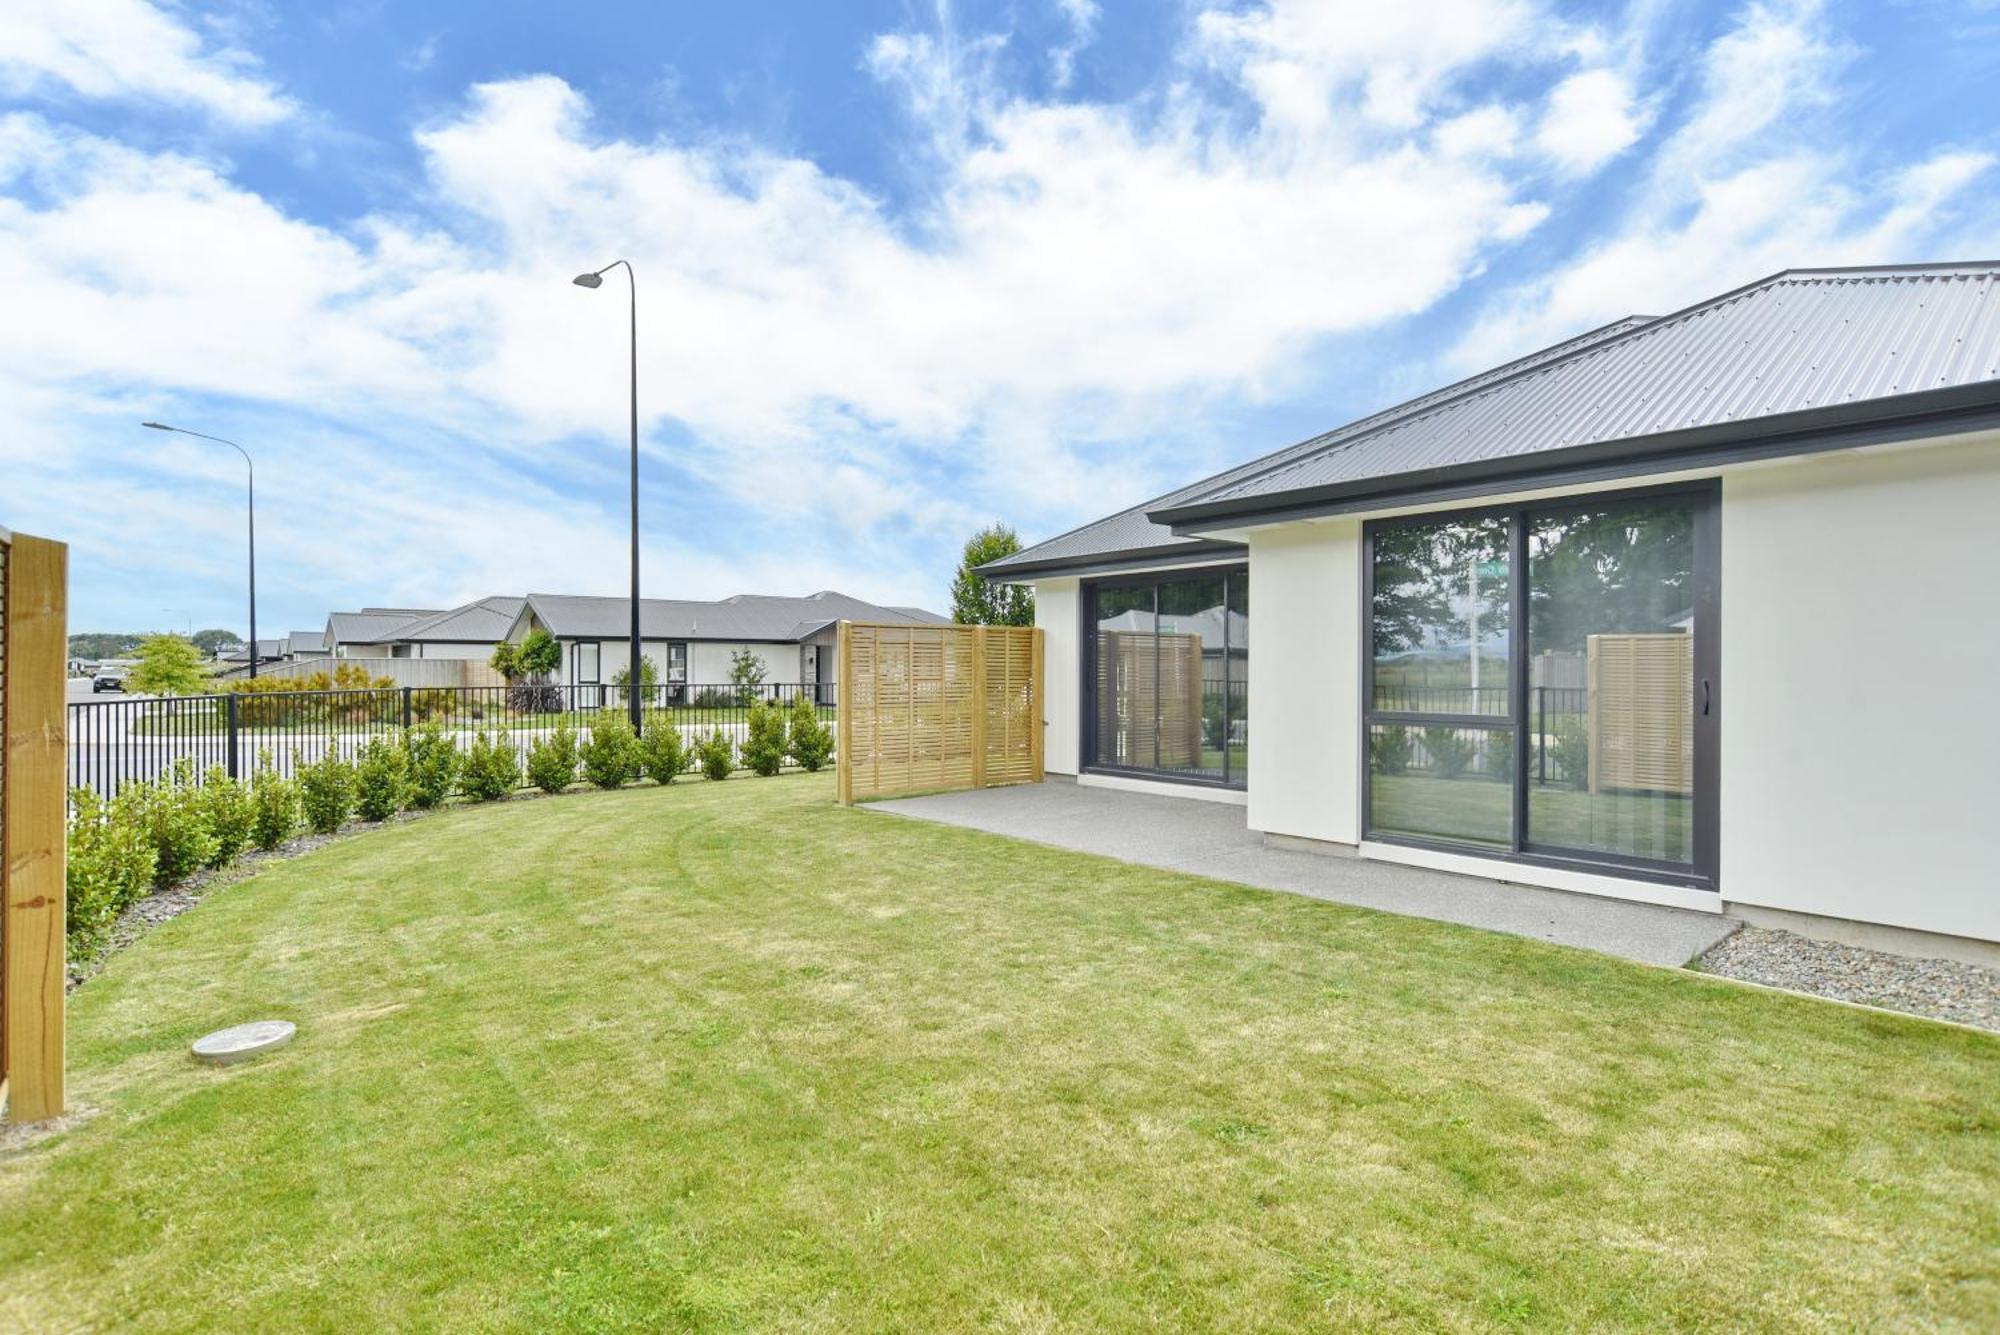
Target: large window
{"x": 1167, "y": 676}
{"x": 1541, "y": 682}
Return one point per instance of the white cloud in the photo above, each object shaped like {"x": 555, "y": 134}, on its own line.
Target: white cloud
{"x": 1590, "y": 119}
{"x": 1081, "y": 16}
{"x": 129, "y": 49}
{"x": 1747, "y": 184}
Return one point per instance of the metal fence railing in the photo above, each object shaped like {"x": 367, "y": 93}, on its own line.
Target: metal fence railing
{"x": 119, "y": 741}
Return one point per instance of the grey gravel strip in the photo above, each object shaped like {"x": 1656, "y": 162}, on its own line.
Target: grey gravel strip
{"x": 1940, "y": 989}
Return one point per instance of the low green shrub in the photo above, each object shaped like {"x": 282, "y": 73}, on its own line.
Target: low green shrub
{"x": 1572, "y": 752}
{"x": 1499, "y": 756}
{"x": 764, "y": 748}
{"x": 552, "y": 759}
{"x": 274, "y": 801}
{"x": 611, "y": 756}
{"x": 176, "y": 821}
{"x": 1449, "y": 751}
{"x": 492, "y": 768}
{"x": 1391, "y": 748}
{"x": 326, "y": 790}
{"x": 715, "y": 755}
{"x": 433, "y": 765}
{"x": 811, "y": 741}
{"x": 230, "y": 815}
{"x": 381, "y": 779}
{"x": 110, "y": 866}
{"x": 663, "y": 752}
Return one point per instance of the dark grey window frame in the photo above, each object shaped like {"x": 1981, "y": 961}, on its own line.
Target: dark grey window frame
{"x": 1704, "y": 872}
{"x": 1087, "y": 637}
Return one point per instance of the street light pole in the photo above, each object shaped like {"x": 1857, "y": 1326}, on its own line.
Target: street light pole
{"x": 635, "y": 675}
{"x": 247, "y": 463}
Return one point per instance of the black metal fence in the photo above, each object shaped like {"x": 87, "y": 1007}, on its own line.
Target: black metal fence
{"x": 1556, "y": 723}
{"x": 119, "y": 741}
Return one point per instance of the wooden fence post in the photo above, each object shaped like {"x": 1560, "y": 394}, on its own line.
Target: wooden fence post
{"x": 32, "y": 960}
{"x": 1038, "y": 722}
{"x": 843, "y": 714}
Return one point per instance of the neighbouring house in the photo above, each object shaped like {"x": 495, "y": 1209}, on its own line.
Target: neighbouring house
{"x": 305, "y": 644}
{"x": 469, "y": 631}
{"x": 369, "y": 632}
{"x": 268, "y": 651}
{"x": 694, "y": 644}
{"x": 1700, "y": 609}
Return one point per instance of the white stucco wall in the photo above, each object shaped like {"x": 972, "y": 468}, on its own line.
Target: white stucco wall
{"x": 1305, "y": 687}
{"x": 1057, "y": 614}
{"x": 1860, "y": 692}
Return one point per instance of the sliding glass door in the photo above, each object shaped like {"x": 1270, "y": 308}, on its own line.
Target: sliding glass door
{"x": 1166, "y": 675}
{"x": 1541, "y": 682}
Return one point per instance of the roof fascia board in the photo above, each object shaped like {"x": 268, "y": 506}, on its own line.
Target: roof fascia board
{"x": 1839, "y": 426}
{"x": 1205, "y": 553}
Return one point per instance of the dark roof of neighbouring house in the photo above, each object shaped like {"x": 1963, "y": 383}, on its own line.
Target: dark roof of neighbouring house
{"x": 265, "y": 649}
{"x": 743, "y": 617}
{"x": 485, "y": 621}
{"x": 1805, "y": 359}
{"x": 306, "y": 642}
{"x": 373, "y": 625}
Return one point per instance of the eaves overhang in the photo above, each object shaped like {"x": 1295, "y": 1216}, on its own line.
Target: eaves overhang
{"x": 1953, "y": 410}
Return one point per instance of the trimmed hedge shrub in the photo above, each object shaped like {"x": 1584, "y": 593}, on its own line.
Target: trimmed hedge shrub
{"x": 715, "y": 755}
{"x": 274, "y": 803}
{"x": 230, "y": 815}
{"x": 111, "y": 863}
{"x": 663, "y": 752}
{"x": 434, "y": 763}
{"x": 811, "y": 741}
{"x": 326, "y": 791}
{"x": 764, "y": 748}
{"x": 552, "y": 759}
{"x": 492, "y": 768}
{"x": 611, "y": 756}
{"x": 381, "y": 779}
{"x": 176, "y": 821}
{"x": 1392, "y": 749}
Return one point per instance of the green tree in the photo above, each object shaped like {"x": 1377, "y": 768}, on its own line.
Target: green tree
{"x": 746, "y": 673}
{"x": 168, "y": 665}
{"x": 102, "y": 644}
{"x": 214, "y": 641}
{"x": 536, "y": 656}
{"x": 977, "y": 601}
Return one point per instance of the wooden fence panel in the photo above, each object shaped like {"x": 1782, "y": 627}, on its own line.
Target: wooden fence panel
{"x": 33, "y": 660}
{"x": 937, "y": 708}
{"x": 1640, "y": 705}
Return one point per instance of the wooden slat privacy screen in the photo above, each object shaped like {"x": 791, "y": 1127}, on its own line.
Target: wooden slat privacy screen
{"x": 1641, "y": 712}
{"x": 34, "y": 658}
{"x": 931, "y": 708}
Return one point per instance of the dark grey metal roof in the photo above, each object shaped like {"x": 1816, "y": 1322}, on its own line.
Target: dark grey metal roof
{"x": 372, "y": 625}
{"x": 1801, "y": 351}
{"x": 1132, "y": 535}
{"x": 744, "y": 617}
{"x": 306, "y": 642}
{"x": 486, "y": 621}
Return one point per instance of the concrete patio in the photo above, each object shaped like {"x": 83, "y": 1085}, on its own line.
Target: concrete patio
{"x": 1209, "y": 839}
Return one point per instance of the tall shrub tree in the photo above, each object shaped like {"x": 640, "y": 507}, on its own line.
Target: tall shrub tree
{"x": 976, "y": 601}
{"x": 168, "y": 665}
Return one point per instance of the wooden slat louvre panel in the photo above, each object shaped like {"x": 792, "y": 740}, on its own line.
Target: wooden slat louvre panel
{"x": 1640, "y": 712}
{"x": 934, "y": 708}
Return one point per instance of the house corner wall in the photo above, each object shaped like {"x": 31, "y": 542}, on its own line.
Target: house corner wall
{"x": 1058, "y": 616}
{"x": 1305, "y": 681}
{"x": 1859, "y": 712}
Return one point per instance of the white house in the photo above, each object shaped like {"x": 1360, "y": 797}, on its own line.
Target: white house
{"x": 693, "y": 644}
{"x": 1734, "y": 578}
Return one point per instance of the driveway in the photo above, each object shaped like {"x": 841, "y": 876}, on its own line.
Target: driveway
{"x": 1209, "y": 839}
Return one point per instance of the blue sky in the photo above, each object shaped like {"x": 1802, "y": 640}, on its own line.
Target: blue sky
{"x": 903, "y": 269}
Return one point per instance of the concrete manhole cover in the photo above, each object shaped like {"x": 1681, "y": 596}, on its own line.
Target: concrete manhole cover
{"x": 244, "y": 1041}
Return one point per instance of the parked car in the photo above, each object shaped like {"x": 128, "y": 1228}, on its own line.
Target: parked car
{"x": 107, "y": 679}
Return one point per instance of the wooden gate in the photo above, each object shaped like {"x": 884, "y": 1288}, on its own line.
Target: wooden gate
{"x": 34, "y": 661}
{"x": 934, "y": 708}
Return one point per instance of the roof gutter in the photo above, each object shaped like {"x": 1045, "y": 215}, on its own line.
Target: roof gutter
{"x": 1949, "y": 411}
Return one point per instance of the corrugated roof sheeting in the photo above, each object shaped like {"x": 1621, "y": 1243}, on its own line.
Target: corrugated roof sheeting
{"x": 1132, "y": 531}
{"x": 1792, "y": 343}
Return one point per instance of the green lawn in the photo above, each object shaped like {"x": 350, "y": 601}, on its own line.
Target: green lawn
{"x": 727, "y": 1055}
